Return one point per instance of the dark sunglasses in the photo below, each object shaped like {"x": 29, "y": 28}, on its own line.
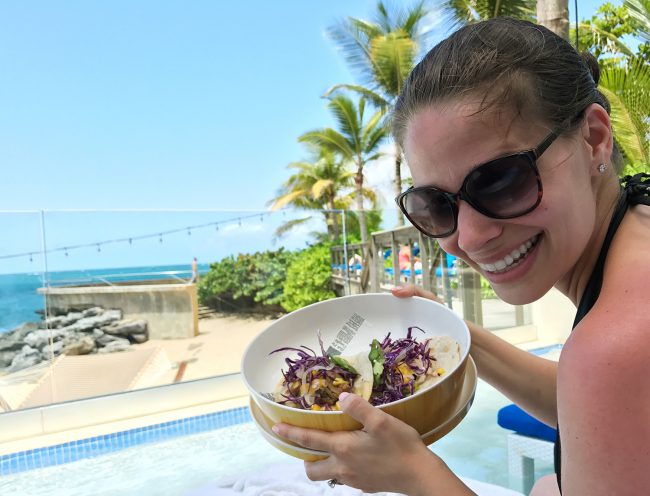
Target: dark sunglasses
{"x": 503, "y": 188}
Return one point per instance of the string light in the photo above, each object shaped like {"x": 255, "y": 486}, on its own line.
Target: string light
{"x": 188, "y": 229}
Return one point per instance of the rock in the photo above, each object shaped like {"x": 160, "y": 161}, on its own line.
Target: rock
{"x": 41, "y": 337}
{"x": 139, "y": 338}
{"x": 55, "y": 348}
{"x": 63, "y": 320}
{"x": 89, "y": 323}
{"x": 119, "y": 344}
{"x": 28, "y": 357}
{"x": 92, "y": 312}
{"x": 126, "y": 328}
{"x": 6, "y": 357}
{"x": 82, "y": 346}
{"x": 107, "y": 339}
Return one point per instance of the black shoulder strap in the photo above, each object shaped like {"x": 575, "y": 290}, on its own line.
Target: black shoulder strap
{"x": 634, "y": 190}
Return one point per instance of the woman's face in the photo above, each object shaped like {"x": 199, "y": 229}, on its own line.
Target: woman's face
{"x": 444, "y": 143}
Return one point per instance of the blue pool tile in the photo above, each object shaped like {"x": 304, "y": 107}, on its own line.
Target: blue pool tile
{"x": 101, "y": 445}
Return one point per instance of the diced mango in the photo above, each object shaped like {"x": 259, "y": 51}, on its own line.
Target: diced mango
{"x": 407, "y": 373}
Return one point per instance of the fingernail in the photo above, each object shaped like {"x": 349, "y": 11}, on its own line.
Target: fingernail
{"x": 342, "y": 396}
{"x": 276, "y": 429}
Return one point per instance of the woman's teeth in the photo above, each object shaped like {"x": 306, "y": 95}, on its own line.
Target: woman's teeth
{"x": 511, "y": 259}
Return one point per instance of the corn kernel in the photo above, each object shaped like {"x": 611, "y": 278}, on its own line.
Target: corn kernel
{"x": 337, "y": 406}
{"x": 316, "y": 407}
{"x": 440, "y": 371}
{"x": 339, "y": 381}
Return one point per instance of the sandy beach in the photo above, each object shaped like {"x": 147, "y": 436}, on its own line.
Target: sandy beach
{"x": 217, "y": 350}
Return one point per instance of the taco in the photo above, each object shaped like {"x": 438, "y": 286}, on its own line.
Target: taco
{"x": 313, "y": 382}
{"x": 401, "y": 367}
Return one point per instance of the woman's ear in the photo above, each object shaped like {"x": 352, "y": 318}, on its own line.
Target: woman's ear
{"x": 598, "y": 138}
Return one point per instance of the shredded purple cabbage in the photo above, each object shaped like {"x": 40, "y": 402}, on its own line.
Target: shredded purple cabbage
{"x": 306, "y": 369}
{"x": 394, "y": 384}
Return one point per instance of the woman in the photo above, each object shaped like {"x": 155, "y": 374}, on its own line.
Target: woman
{"x": 507, "y": 114}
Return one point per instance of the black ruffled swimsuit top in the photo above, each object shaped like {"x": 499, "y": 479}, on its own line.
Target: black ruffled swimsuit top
{"x": 635, "y": 190}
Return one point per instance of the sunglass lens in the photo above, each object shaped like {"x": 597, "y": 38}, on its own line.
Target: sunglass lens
{"x": 506, "y": 188}
{"x": 430, "y": 211}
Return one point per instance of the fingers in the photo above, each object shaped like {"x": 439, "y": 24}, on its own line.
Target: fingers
{"x": 413, "y": 290}
{"x": 309, "y": 438}
{"x": 322, "y": 470}
{"x": 359, "y": 409}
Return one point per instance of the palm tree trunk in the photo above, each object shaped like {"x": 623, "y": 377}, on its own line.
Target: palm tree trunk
{"x": 358, "y": 179}
{"x": 554, "y": 14}
{"x": 333, "y": 220}
{"x": 398, "y": 180}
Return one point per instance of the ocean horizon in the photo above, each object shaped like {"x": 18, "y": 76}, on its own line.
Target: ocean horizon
{"x": 20, "y": 302}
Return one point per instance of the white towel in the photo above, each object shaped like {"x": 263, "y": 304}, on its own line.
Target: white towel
{"x": 289, "y": 479}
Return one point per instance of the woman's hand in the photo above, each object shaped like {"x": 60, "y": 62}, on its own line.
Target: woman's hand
{"x": 386, "y": 455}
{"x": 413, "y": 290}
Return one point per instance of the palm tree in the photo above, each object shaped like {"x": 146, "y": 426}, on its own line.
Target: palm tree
{"x": 316, "y": 186}
{"x": 462, "y": 12}
{"x": 627, "y": 87}
{"x": 383, "y": 53}
{"x": 356, "y": 142}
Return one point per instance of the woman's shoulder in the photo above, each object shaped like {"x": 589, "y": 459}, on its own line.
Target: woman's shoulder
{"x": 626, "y": 277}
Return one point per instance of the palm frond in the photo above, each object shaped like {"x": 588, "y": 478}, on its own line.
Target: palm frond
{"x": 288, "y": 226}
{"x": 320, "y": 186}
{"x": 285, "y": 200}
{"x": 375, "y": 98}
{"x": 392, "y": 57}
{"x": 628, "y": 90}
{"x": 347, "y": 117}
{"x": 640, "y": 12}
{"x": 331, "y": 139}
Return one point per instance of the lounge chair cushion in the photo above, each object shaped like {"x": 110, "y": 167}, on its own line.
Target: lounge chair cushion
{"x": 514, "y": 418}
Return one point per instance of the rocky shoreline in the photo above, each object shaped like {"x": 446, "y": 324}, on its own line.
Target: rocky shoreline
{"x": 79, "y": 331}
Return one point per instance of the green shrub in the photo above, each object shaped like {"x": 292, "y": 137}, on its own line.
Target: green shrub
{"x": 246, "y": 281}
{"x": 308, "y": 278}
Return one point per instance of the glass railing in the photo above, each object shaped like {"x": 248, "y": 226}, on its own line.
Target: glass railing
{"x": 80, "y": 288}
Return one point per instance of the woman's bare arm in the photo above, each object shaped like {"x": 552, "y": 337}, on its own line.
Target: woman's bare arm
{"x": 527, "y": 380}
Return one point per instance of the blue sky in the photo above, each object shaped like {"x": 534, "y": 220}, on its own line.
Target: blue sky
{"x": 159, "y": 105}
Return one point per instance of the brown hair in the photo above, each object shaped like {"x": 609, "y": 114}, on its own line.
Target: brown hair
{"x": 510, "y": 62}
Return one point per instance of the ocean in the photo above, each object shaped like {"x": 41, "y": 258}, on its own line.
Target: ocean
{"x": 19, "y": 300}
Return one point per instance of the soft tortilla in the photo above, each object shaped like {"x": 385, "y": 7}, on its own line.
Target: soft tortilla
{"x": 362, "y": 384}
{"x": 446, "y": 352}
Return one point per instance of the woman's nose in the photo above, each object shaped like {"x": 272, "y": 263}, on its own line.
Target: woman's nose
{"x": 475, "y": 229}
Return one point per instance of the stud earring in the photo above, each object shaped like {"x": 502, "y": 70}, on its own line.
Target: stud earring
{"x": 602, "y": 168}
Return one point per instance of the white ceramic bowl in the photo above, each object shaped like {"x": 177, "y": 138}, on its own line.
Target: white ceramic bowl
{"x": 349, "y": 324}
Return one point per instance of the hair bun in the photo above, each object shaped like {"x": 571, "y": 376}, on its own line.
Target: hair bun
{"x": 592, "y": 64}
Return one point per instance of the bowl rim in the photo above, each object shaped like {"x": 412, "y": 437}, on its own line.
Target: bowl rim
{"x": 463, "y": 357}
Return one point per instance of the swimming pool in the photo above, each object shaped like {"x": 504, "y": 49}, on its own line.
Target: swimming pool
{"x": 224, "y": 445}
